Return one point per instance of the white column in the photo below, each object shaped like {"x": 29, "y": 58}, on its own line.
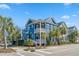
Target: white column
{"x": 40, "y": 33}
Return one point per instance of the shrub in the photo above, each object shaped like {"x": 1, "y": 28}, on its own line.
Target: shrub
{"x": 25, "y": 42}
{"x": 27, "y": 49}
{"x": 32, "y": 49}
{"x": 29, "y": 42}
{"x": 48, "y": 42}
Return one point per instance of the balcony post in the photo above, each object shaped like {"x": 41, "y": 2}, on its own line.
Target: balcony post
{"x": 40, "y": 33}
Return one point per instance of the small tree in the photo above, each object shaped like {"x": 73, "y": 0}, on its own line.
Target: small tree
{"x": 72, "y": 36}
{"x": 43, "y": 36}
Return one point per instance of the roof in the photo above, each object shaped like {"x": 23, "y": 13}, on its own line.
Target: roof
{"x": 72, "y": 28}
{"x": 61, "y": 23}
{"x": 48, "y": 20}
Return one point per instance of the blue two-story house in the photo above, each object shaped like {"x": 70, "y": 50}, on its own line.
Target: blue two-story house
{"x": 34, "y": 28}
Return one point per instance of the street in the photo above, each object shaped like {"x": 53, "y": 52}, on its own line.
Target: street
{"x": 62, "y": 50}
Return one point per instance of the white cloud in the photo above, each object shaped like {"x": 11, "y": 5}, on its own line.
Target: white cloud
{"x": 27, "y": 13}
{"x": 74, "y": 15}
{"x": 67, "y": 4}
{"x": 4, "y": 6}
{"x": 65, "y": 17}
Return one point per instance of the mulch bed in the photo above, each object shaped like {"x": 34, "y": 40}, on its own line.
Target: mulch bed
{"x": 30, "y": 49}
{"x": 8, "y": 50}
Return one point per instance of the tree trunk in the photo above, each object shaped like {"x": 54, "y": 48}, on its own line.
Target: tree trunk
{"x": 5, "y": 43}
{"x": 16, "y": 42}
{"x": 5, "y": 40}
{"x": 58, "y": 41}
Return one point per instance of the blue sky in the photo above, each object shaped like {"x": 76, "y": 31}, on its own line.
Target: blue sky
{"x": 20, "y": 13}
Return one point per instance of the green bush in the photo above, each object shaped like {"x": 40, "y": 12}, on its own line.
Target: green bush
{"x": 29, "y": 42}
{"x": 27, "y": 49}
{"x": 32, "y": 49}
{"x": 48, "y": 42}
{"x": 25, "y": 42}
{"x": 72, "y": 40}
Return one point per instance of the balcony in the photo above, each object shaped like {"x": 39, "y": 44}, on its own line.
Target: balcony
{"x": 38, "y": 30}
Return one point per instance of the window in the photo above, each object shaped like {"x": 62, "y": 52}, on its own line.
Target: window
{"x": 42, "y": 25}
{"x": 49, "y": 27}
{"x": 37, "y": 26}
{"x": 36, "y": 35}
{"x": 32, "y": 25}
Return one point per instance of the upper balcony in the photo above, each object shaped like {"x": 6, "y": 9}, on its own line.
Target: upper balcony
{"x": 38, "y": 25}
{"x": 38, "y": 30}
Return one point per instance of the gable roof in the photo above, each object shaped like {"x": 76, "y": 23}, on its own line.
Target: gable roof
{"x": 72, "y": 28}
{"x": 62, "y": 23}
{"x": 50, "y": 20}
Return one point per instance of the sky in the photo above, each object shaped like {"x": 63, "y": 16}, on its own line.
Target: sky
{"x": 20, "y": 13}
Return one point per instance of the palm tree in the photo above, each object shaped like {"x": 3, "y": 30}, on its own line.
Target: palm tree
{"x": 8, "y": 31}
{"x": 4, "y": 26}
{"x": 72, "y": 36}
{"x": 55, "y": 33}
{"x": 9, "y": 28}
{"x": 15, "y": 34}
{"x": 63, "y": 31}
{"x": 7, "y": 24}
{"x": 1, "y": 34}
{"x": 14, "y": 31}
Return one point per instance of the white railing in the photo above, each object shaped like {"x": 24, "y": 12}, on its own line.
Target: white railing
{"x": 38, "y": 30}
